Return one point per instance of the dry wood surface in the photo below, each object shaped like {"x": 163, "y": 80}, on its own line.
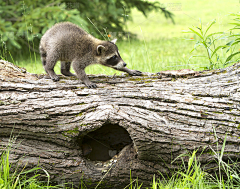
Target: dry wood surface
{"x": 138, "y": 123}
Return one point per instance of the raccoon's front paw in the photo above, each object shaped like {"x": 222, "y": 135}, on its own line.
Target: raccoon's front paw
{"x": 135, "y": 73}
{"x": 91, "y": 85}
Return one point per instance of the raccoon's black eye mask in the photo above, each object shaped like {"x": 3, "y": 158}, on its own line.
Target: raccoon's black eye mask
{"x": 113, "y": 60}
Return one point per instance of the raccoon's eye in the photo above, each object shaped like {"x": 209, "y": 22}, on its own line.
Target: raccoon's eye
{"x": 114, "y": 57}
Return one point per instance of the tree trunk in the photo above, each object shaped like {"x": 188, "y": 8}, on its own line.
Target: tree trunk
{"x": 128, "y": 123}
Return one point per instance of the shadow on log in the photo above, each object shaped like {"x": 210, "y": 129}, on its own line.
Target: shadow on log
{"x": 128, "y": 123}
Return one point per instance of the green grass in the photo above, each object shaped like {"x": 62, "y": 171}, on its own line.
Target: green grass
{"x": 187, "y": 14}
{"x": 172, "y": 50}
{"x": 11, "y": 177}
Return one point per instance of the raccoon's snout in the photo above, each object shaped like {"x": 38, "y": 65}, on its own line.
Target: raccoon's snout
{"x": 119, "y": 65}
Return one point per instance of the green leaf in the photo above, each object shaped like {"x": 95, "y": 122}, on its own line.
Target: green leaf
{"x": 199, "y": 35}
{"x": 235, "y": 43}
{"x": 230, "y": 43}
{"x": 216, "y": 33}
{"x": 234, "y": 35}
{"x": 219, "y": 47}
{"x": 231, "y": 56}
{"x": 234, "y": 23}
{"x": 213, "y": 22}
{"x": 14, "y": 43}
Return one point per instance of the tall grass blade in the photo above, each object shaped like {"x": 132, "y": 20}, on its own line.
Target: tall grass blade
{"x": 198, "y": 34}
{"x": 212, "y": 34}
{"x": 219, "y": 47}
{"x": 231, "y": 56}
{"x": 213, "y": 22}
{"x": 96, "y": 28}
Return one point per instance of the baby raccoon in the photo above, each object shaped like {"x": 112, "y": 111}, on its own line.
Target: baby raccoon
{"x": 70, "y": 44}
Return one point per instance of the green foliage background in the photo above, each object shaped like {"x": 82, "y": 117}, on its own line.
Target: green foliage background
{"x": 22, "y": 23}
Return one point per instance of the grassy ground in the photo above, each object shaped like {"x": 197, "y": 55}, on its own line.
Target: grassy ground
{"x": 187, "y": 14}
{"x": 162, "y": 44}
{"x": 168, "y": 46}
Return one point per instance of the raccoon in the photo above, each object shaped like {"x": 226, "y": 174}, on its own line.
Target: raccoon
{"x": 70, "y": 44}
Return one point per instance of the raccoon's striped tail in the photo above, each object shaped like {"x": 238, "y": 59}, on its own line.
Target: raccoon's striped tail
{"x": 43, "y": 54}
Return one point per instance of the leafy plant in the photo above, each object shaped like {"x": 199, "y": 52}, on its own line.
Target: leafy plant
{"x": 212, "y": 44}
{"x": 236, "y": 37}
{"x": 208, "y": 42}
{"x": 22, "y": 23}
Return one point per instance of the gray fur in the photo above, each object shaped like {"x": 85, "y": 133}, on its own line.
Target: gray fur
{"x": 70, "y": 44}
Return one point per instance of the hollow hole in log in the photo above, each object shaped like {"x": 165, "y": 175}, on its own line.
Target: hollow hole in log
{"x": 105, "y": 143}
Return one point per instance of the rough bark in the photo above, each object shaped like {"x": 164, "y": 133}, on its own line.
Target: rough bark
{"x": 128, "y": 123}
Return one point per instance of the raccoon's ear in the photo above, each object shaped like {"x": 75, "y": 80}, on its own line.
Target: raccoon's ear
{"x": 114, "y": 41}
{"x": 100, "y": 49}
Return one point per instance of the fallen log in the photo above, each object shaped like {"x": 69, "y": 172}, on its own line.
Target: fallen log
{"x": 128, "y": 123}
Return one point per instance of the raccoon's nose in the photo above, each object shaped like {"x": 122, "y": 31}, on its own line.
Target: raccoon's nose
{"x": 124, "y": 64}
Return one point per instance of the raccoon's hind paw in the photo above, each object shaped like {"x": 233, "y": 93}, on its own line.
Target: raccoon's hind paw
{"x": 91, "y": 85}
{"x": 55, "y": 78}
{"x": 136, "y": 73}
{"x": 46, "y": 77}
